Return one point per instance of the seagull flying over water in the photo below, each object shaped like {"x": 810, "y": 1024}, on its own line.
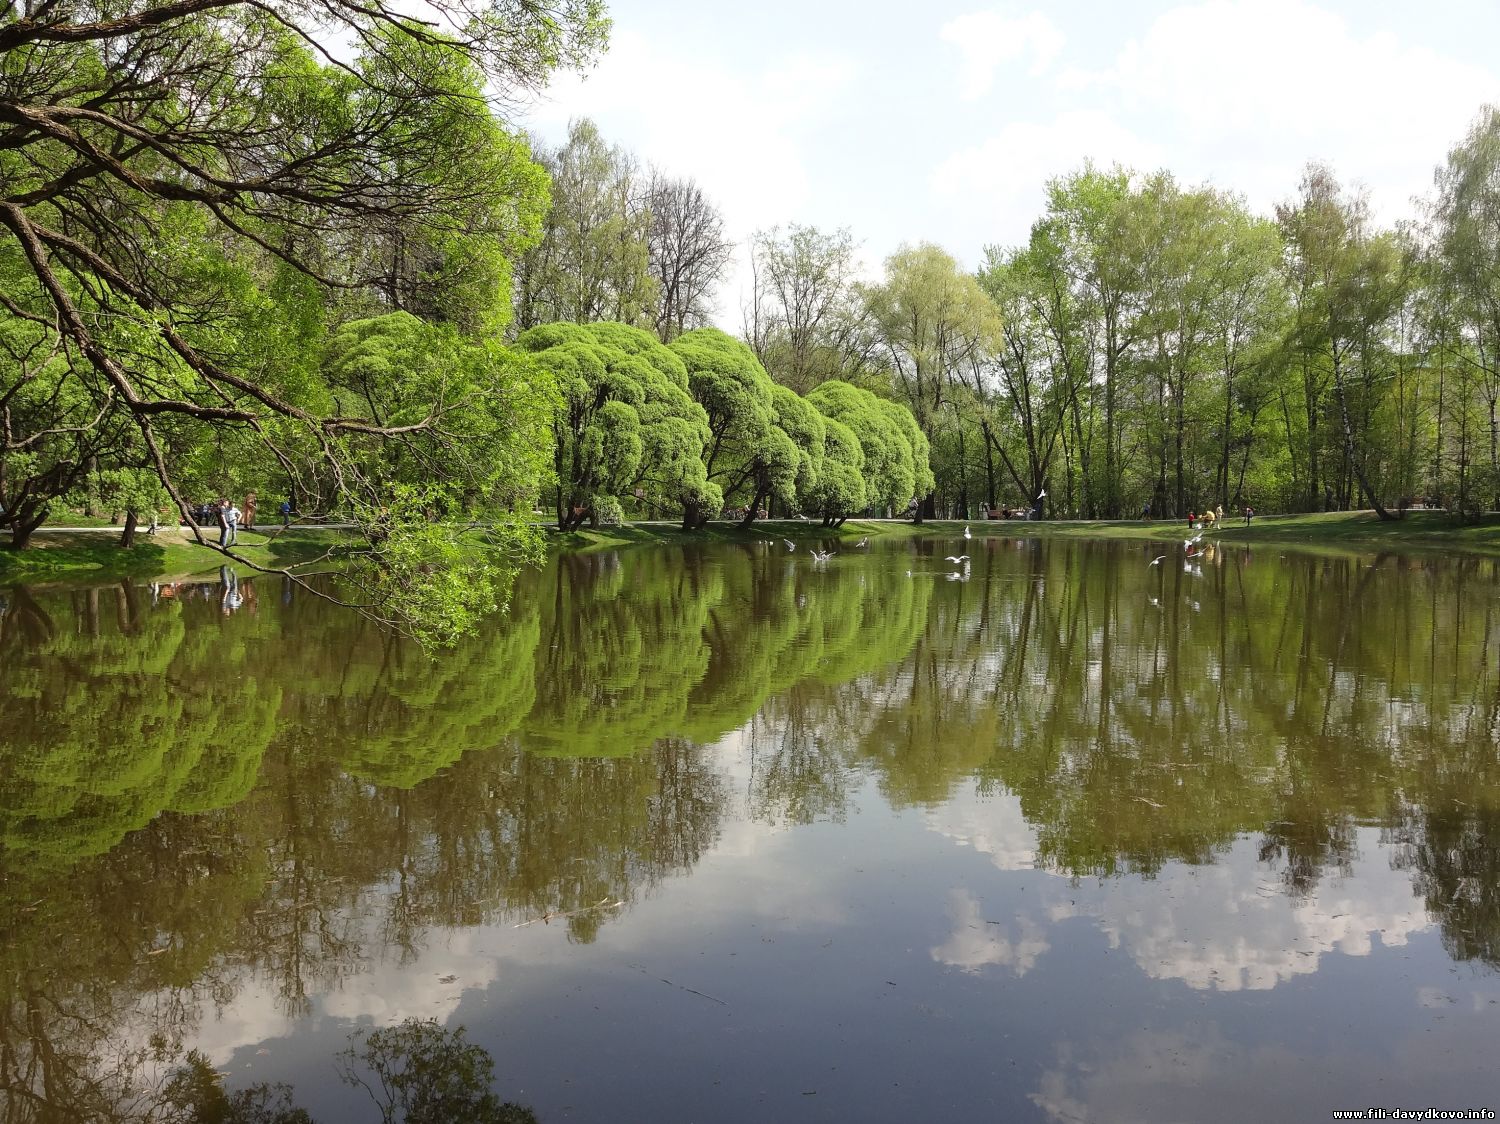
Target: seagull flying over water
{"x": 862, "y": 544}
{"x": 1155, "y": 560}
{"x": 790, "y": 545}
{"x": 967, "y": 535}
{"x": 956, "y": 559}
{"x": 823, "y": 555}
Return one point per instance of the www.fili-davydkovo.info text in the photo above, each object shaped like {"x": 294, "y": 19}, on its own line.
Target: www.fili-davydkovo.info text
{"x": 1414, "y": 1114}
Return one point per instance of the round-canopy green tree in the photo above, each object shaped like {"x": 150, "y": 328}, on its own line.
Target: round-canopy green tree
{"x": 739, "y": 398}
{"x": 625, "y": 423}
{"x": 890, "y": 463}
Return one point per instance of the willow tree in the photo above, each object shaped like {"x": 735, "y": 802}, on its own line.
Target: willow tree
{"x": 750, "y": 453}
{"x": 190, "y": 188}
{"x": 839, "y": 489}
{"x": 889, "y": 462}
{"x": 625, "y": 424}
{"x": 934, "y": 321}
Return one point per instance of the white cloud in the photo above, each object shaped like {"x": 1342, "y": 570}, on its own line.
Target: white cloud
{"x": 1005, "y": 176}
{"x": 1230, "y": 927}
{"x": 741, "y": 134}
{"x": 989, "y": 40}
{"x": 992, "y": 825}
{"x": 1249, "y": 90}
{"x": 976, "y": 942}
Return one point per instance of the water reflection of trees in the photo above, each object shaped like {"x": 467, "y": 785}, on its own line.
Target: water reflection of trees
{"x": 187, "y": 795}
{"x": 305, "y": 787}
{"x": 1146, "y": 715}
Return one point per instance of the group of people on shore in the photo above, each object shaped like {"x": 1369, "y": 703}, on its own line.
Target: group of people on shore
{"x": 1211, "y": 516}
{"x": 1208, "y": 517}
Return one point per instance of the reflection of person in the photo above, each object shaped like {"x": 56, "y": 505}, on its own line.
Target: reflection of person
{"x": 230, "y": 600}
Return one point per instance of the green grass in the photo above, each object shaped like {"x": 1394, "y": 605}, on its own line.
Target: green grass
{"x": 1361, "y": 530}
{"x": 59, "y": 557}
{"x": 798, "y": 530}
{"x": 1340, "y": 529}
{"x": 56, "y": 557}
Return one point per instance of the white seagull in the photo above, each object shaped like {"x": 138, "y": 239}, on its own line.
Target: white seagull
{"x": 1155, "y": 560}
{"x": 790, "y": 545}
{"x": 862, "y": 544}
{"x": 957, "y": 559}
{"x": 967, "y": 535}
{"x": 823, "y": 555}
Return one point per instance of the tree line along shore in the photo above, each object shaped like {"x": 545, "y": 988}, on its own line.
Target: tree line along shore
{"x": 229, "y": 264}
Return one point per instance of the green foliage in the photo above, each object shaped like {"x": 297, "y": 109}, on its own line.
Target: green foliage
{"x": 888, "y": 461}
{"x": 593, "y": 260}
{"x": 195, "y": 1094}
{"x": 626, "y": 424}
{"x": 936, "y": 324}
{"x": 421, "y": 1073}
{"x": 172, "y": 264}
{"x": 744, "y": 442}
{"x": 839, "y": 489}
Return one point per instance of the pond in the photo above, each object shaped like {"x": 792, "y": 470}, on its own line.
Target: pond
{"x": 727, "y": 834}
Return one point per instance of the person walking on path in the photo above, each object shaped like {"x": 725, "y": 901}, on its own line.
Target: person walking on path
{"x": 1249, "y": 511}
{"x": 286, "y": 513}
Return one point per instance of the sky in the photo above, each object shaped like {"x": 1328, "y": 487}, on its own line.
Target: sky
{"x": 942, "y": 122}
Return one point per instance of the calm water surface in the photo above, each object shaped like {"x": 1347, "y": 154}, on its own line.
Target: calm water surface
{"x": 725, "y": 835}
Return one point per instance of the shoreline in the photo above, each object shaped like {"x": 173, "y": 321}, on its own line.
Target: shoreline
{"x": 81, "y": 554}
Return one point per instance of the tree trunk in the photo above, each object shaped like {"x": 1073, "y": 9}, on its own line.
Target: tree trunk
{"x": 1349, "y": 454}
{"x": 91, "y": 493}
{"x": 755, "y": 502}
{"x": 127, "y": 536}
{"x": 989, "y": 466}
{"x": 21, "y": 530}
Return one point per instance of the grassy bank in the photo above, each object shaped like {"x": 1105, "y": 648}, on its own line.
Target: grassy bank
{"x": 58, "y": 556}
{"x": 1360, "y": 530}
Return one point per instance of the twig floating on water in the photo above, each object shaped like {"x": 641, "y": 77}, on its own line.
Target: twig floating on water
{"x": 602, "y": 903}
